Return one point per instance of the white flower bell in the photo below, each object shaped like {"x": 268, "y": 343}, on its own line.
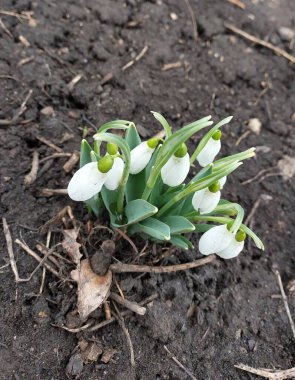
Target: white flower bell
{"x": 210, "y": 150}
{"x": 141, "y": 155}
{"x": 115, "y": 174}
{"x": 207, "y": 199}
{"x": 89, "y": 179}
{"x": 221, "y": 241}
{"x": 176, "y": 169}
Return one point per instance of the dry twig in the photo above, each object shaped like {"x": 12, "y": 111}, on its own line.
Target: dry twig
{"x": 49, "y": 192}
{"x": 32, "y": 176}
{"x": 57, "y": 219}
{"x": 7, "y": 31}
{"x": 285, "y": 301}
{"x": 127, "y": 238}
{"x": 55, "y": 155}
{"x": 237, "y": 3}
{"x": 22, "y": 109}
{"x": 47, "y": 142}
{"x": 133, "y": 306}
{"x": 10, "y": 250}
{"x": 180, "y": 365}
{"x": 124, "y": 268}
{"x": 136, "y": 59}
{"x": 258, "y": 41}
{"x": 194, "y": 22}
{"x": 268, "y": 373}
{"x": 72, "y": 161}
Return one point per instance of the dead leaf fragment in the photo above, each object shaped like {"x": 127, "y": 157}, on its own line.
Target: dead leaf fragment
{"x": 91, "y": 353}
{"x": 47, "y": 111}
{"x": 92, "y": 288}
{"x": 71, "y": 246}
{"x": 108, "y": 354}
{"x": 287, "y": 167}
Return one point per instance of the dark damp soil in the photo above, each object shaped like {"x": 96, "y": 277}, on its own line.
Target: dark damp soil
{"x": 210, "y": 318}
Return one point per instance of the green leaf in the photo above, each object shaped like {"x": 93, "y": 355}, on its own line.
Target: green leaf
{"x": 178, "y": 224}
{"x": 153, "y": 228}
{"x": 110, "y": 198}
{"x": 164, "y": 122}
{"x": 203, "y": 227}
{"x": 85, "y": 152}
{"x": 115, "y": 124}
{"x": 95, "y": 205}
{"x": 138, "y": 210}
{"x": 181, "y": 242}
{"x": 132, "y": 137}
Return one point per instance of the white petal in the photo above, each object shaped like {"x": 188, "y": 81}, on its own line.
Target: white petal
{"x": 197, "y": 199}
{"x": 232, "y": 250}
{"x": 140, "y": 157}
{"x": 222, "y": 182}
{"x": 86, "y": 182}
{"x": 208, "y": 153}
{"x": 209, "y": 201}
{"x": 215, "y": 240}
{"x": 175, "y": 171}
{"x": 115, "y": 174}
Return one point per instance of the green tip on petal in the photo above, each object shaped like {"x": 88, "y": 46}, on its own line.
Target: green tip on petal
{"x": 181, "y": 151}
{"x": 240, "y": 236}
{"x": 214, "y": 187}
{"x": 153, "y": 142}
{"x": 229, "y": 225}
{"x": 217, "y": 135}
{"x": 105, "y": 164}
{"x": 112, "y": 149}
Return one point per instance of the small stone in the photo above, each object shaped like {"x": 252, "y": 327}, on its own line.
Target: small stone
{"x": 75, "y": 366}
{"x": 251, "y": 344}
{"x": 47, "y": 111}
{"x": 173, "y": 16}
{"x": 286, "y": 34}
{"x": 286, "y": 166}
{"x": 254, "y": 125}
{"x": 41, "y": 311}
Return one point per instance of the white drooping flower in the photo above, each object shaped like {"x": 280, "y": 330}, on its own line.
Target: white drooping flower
{"x": 205, "y": 201}
{"x": 115, "y": 174}
{"x": 175, "y": 171}
{"x": 89, "y": 179}
{"x": 210, "y": 150}
{"x": 221, "y": 241}
{"x": 141, "y": 155}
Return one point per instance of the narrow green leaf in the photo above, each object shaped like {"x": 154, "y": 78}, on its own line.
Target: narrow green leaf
{"x": 203, "y": 227}
{"x": 178, "y": 224}
{"x": 180, "y": 242}
{"x": 164, "y": 122}
{"x": 138, "y": 210}
{"x": 95, "y": 205}
{"x": 132, "y": 137}
{"x": 115, "y": 124}
{"x": 85, "y": 151}
{"x": 153, "y": 228}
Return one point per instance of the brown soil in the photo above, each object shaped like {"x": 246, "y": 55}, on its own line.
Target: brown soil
{"x": 235, "y": 318}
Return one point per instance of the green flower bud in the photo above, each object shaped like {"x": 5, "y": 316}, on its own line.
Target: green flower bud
{"x": 217, "y": 135}
{"x": 112, "y": 149}
{"x": 214, "y": 187}
{"x": 105, "y": 164}
{"x": 240, "y": 236}
{"x": 153, "y": 142}
{"x": 181, "y": 151}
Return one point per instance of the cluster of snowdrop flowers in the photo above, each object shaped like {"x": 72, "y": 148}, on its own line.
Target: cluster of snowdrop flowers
{"x": 146, "y": 188}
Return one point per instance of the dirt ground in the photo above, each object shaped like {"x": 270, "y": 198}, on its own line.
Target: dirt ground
{"x": 234, "y": 315}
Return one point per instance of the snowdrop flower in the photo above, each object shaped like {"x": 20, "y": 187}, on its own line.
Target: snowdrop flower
{"x": 141, "y": 155}
{"x": 222, "y": 182}
{"x": 207, "y": 199}
{"x": 89, "y": 179}
{"x": 221, "y": 241}
{"x": 176, "y": 169}
{"x": 210, "y": 150}
{"x": 115, "y": 174}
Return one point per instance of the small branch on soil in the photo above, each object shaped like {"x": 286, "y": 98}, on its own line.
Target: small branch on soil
{"x": 124, "y": 268}
{"x": 41, "y": 261}
{"x": 6, "y": 30}
{"x": 74, "y": 81}
{"x": 268, "y": 373}
{"x": 47, "y": 142}
{"x": 22, "y": 109}
{"x": 10, "y": 250}
{"x": 242, "y": 137}
{"x": 49, "y": 192}
{"x": 127, "y": 238}
{"x": 70, "y": 164}
{"x": 238, "y": 3}
{"x": 32, "y": 176}
{"x": 262, "y": 198}
{"x": 121, "y": 322}
{"x": 54, "y": 155}
{"x": 180, "y": 365}
{"x": 259, "y": 175}
{"x": 133, "y": 306}
{"x": 194, "y": 22}
{"x": 258, "y": 41}
{"x": 285, "y": 301}
{"x": 172, "y": 66}
{"x": 57, "y": 218}
{"x": 136, "y": 59}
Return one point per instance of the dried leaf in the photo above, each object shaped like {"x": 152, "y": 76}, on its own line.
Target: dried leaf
{"x": 92, "y": 288}
{"x": 108, "y": 354}
{"x": 71, "y": 246}
{"x": 91, "y": 353}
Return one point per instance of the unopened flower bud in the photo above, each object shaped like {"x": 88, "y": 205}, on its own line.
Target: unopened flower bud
{"x": 240, "y": 236}
{"x": 153, "y": 142}
{"x": 217, "y": 135}
{"x": 214, "y": 187}
{"x": 105, "y": 164}
{"x": 112, "y": 149}
{"x": 181, "y": 151}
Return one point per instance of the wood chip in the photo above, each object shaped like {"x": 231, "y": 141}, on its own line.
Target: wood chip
{"x": 72, "y": 162}
{"x": 32, "y": 176}
{"x": 171, "y": 66}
